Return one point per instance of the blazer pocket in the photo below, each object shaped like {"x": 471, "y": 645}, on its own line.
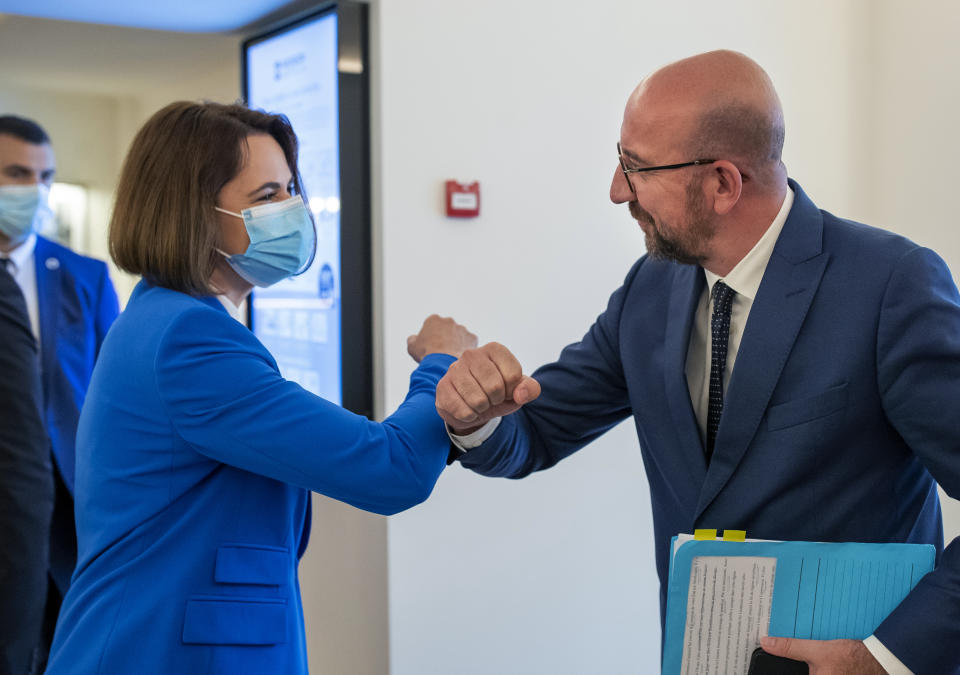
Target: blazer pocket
{"x": 247, "y": 564}
{"x": 806, "y": 409}
{"x": 235, "y": 621}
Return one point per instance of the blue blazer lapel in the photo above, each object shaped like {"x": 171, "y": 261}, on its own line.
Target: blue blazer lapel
{"x": 688, "y": 284}
{"x": 48, "y": 299}
{"x": 789, "y": 285}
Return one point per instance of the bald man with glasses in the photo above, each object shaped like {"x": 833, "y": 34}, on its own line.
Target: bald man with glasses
{"x": 790, "y": 373}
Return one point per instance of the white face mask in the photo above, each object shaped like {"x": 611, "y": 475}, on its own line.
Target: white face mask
{"x": 282, "y": 242}
{"x": 22, "y": 209}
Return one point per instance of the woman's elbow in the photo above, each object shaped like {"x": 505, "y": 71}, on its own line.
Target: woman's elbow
{"x": 415, "y": 494}
{"x": 410, "y": 490}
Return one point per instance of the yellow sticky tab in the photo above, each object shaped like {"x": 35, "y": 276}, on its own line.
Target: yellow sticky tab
{"x": 734, "y": 535}
{"x": 701, "y": 535}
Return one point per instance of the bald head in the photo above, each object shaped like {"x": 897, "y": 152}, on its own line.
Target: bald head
{"x": 719, "y": 105}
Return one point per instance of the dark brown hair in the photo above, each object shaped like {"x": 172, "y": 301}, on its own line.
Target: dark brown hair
{"x": 164, "y": 225}
{"x": 24, "y": 129}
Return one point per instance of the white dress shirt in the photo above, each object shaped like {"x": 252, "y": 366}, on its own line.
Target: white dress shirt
{"x": 238, "y": 312}
{"x": 745, "y": 279}
{"x": 24, "y": 272}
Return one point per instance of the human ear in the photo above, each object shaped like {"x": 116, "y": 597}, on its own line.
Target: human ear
{"x": 725, "y": 186}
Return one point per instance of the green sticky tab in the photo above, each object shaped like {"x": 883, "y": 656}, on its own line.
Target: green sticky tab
{"x": 734, "y": 535}
{"x": 702, "y": 535}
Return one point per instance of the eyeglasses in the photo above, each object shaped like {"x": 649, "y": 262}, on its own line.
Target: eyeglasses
{"x": 665, "y": 167}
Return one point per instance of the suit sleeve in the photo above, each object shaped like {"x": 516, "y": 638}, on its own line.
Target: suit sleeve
{"x": 918, "y": 369}
{"x": 225, "y": 397}
{"x": 107, "y": 307}
{"x": 26, "y": 484}
{"x": 583, "y": 394}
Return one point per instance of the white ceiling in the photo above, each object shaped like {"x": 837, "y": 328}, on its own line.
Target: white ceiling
{"x": 191, "y": 16}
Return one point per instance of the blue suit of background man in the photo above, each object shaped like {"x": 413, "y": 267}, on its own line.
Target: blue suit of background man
{"x": 77, "y": 304}
{"x": 841, "y": 411}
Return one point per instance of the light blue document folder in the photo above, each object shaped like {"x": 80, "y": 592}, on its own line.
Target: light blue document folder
{"x": 821, "y": 591}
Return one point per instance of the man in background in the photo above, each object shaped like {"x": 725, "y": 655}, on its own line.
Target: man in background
{"x": 789, "y": 373}
{"x": 71, "y": 303}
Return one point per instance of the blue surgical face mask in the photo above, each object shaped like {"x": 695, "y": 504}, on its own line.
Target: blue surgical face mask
{"x": 282, "y": 242}
{"x": 22, "y": 209}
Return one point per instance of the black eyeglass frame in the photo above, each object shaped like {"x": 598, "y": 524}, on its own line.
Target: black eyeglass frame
{"x": 664, "y": 167}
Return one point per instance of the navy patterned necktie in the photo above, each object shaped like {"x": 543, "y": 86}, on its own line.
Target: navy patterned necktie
{"x": 720, "y": 336}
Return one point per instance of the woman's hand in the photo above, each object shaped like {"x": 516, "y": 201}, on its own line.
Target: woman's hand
{"x": 440, "y": 335}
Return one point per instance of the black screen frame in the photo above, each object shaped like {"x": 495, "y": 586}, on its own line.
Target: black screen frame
{"x": 356, "y": 289}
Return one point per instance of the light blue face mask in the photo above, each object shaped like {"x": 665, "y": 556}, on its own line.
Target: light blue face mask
{"x": 22, "y": 208}
{"x": 282, "y": 242}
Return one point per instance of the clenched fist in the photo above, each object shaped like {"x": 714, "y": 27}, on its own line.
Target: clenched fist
{"x": 440, "y": 335}
{"x": 484, "y": 383}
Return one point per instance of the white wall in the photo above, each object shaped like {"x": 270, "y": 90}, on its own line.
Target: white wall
{"x": 555, "y": 573}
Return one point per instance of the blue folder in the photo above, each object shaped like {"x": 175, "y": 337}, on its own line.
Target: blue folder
{"x": 821, "y": 591}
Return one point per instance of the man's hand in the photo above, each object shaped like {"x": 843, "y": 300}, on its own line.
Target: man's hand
{"x": 485, "y": 383}
{"x": 826, "y": 657}
{"x": 440, "y": 335}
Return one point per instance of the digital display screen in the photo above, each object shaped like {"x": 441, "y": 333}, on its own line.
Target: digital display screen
{"x": 294, "y": 72}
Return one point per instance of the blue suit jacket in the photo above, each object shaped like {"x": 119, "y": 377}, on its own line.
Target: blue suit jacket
{"x": 77, "y": 306}
{"x": 837, "y": 416}
{"x": 194, "y": 461}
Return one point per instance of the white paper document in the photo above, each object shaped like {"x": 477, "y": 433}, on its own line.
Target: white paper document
{"x": 728, "y": 610}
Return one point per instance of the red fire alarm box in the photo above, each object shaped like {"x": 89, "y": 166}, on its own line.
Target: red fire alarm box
{"x": 463, "y": 199}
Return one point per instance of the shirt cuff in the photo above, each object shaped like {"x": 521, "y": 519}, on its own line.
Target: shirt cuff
{"x": 475, "y": 438}
{"x": 885, "y": 657}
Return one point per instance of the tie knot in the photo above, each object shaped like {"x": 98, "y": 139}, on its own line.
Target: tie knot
{"x": 722, "y": 297}
{"x": 7, "y": 264}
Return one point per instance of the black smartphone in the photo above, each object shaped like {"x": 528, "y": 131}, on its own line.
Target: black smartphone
{"x": 762, "y": 663}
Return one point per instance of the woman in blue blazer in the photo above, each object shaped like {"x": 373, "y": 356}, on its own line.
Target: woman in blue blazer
{"x": 195, "y": 458}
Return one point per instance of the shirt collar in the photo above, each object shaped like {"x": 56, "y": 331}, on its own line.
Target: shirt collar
{"x": 236, "y": 311}
{"x": 747, "y": 274}
{"x": 22, "y": 253}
